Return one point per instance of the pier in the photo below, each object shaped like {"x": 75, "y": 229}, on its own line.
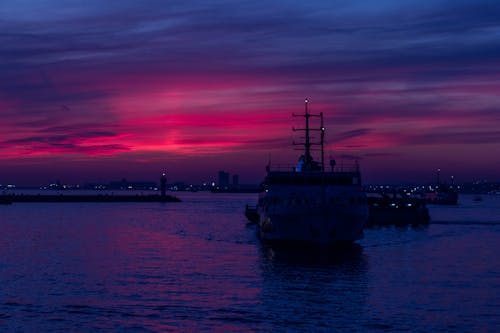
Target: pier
{"x": 8, "y": 198}
{"x": 13, "y": 198}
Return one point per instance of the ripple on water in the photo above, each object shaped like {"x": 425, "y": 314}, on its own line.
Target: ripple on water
{"x": 196, "y": 266}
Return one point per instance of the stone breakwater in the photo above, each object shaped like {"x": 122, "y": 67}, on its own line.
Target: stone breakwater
{"x": 89, "y": 198}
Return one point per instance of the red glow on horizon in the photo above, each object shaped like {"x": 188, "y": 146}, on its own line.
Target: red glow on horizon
{"x": 149, "y": 118}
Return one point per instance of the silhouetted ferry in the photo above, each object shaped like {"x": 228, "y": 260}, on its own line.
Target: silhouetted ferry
{"x": 307, "y": 204}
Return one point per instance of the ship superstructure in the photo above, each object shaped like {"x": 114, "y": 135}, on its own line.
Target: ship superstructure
{"x": 307, "y": 203}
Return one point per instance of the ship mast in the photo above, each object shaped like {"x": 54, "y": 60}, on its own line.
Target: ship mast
{"x": 322, "y": 143}
{"x": 309, "y": 163}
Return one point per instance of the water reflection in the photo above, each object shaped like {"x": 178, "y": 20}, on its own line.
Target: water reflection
{"x": 303, "y": 255}
{"x": 194, "y": 266}
{"x": 313, "y": 288}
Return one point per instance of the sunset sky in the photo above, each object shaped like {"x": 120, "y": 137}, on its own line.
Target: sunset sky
{"x": 100, "y": 90}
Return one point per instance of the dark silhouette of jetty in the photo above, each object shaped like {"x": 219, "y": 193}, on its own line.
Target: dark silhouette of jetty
{"x": 89, "y": 198}
{"x": 162, "y": 197}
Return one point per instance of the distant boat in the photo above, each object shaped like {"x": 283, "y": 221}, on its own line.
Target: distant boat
{"x": 442, "y": 194}
{"x": 478, "y": 198}
{"x": 251, "y": 214}
{"x": 305, "y": 203}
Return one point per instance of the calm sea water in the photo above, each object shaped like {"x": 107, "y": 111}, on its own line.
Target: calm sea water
{"x": 196, "y": 266}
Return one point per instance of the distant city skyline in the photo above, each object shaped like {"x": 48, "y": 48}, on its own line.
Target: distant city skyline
{"x": 93, "y": 91}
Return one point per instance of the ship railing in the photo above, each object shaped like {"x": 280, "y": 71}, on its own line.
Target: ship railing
{"x": 342, "y": 167}
{"x": 282, "y": 167}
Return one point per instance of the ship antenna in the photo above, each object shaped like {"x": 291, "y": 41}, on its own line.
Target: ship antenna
{"x": 322, "y": 143}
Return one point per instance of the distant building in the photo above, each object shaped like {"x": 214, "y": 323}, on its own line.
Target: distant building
{"x": 235, "y": 181}
{"x": 223, "y": 178}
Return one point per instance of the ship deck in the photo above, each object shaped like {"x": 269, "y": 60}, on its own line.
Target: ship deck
{"x": 343, "y": 178}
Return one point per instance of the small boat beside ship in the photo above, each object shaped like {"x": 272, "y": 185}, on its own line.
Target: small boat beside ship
{"x": 396, "y": 209}
{"x": 443, "y": 195}
{"x": 306, "y": 203}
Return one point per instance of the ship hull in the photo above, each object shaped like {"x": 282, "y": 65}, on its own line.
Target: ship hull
{"x": 312, "y": 216}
